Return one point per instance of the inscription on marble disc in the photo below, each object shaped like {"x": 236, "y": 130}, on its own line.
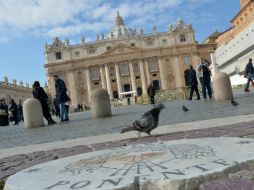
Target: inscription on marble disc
{"x": 134, "y": 166}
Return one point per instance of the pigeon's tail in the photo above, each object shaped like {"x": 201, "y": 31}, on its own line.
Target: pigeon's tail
{"x": 130, "y": 128}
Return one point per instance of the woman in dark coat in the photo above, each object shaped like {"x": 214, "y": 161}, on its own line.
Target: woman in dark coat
{"x": 14, "y": 110}
{"x": 39, "y": 93}
{"x": 151, "y": 93}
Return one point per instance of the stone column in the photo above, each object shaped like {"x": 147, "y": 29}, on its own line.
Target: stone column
{"x": 177, "y": 72}
{"x": 133, "y": 80}
{"x": 88, "y": 83}
{"x": 72, "y": 88}
{"x": 118, "y": 79}
{"x": 102, "y": 75}
{"x": 143, "y": 79}
{"x": 162, "y": 74}
{"x": 108, "y": 80}
{"x": 147, "y": 72}
{"x": 222, "y": 87}
{"x": 100, "y": 103}
{"x": 32, "y": 112}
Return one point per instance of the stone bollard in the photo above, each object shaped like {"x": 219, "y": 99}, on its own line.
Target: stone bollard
{"x": 101, "y": 106}
{"x": 222, "y": 87}
{"x": 32, "y": 112}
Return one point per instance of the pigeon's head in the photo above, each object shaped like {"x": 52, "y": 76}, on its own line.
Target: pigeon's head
{"x": 161, "y": 106}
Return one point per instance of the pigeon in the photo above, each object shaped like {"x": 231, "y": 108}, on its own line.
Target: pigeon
{"x": 234, "y": 103}
{"x": 147, "y": 122}
{"x": 185, "y": 109}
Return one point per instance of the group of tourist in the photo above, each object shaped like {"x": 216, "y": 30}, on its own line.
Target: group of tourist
{"x": 61, "y": 101}
{"x": 204, "y": 75}
{"x": 10, "y": 112}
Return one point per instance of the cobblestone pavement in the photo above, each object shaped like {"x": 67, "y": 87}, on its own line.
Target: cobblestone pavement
{"x": 11, "y": 165}
{"x": 82, "y": 124}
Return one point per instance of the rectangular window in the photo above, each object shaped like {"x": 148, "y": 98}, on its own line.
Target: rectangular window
{"x": 95, "y": 73}
{"x": 133, "y": 44}
{"x": 91, "y": 51}
{"x": 164, "y": 42}
{"x": 76, "y": 54}
{"x": 186, "y": 60}
{"x": 58, "y": 55}
{"x": 149, "y": 43}
{"x": 153, "y": 67}
{"x": 124, "y": 69}
{"x": 182, "y": 38}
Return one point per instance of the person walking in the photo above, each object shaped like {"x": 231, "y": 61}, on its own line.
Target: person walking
{"x": 14, "y": 110}
{"x": 206, "y": 81}
{"x": 249, "y": 73}
{"x": 20, "y": 111}
{"x": 56, "y": 106}
{"x": 193, "y": 83}
{"x": 61, "y": 95}
{"x": 4, "y": 115}
{"x": 39, "y": 93}
{"x": 151, "y": 93}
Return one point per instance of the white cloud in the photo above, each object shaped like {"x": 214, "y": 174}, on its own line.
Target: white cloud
{"x": 70, "y": 17}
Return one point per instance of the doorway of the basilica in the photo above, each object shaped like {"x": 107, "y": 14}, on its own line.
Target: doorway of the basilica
{"x": 127, "y": 88}
{"x": 187, "y": 77}
{"x": 115, "y": 95}
{"x": 139, "y": 91}
{"x": 156, "y": 84}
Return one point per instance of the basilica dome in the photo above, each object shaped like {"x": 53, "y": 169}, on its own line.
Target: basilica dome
{"x": 121, "y": 30}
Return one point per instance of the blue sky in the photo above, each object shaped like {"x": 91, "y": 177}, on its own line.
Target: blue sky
{"x": 26, "y": 25}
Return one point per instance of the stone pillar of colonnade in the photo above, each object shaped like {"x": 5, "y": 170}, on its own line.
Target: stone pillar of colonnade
{"x": 108, "y": 81}
{"x": 102, "y": 76}
{"x": 147, "y": 72}
{"x": 118, "y": 79}
{"x": 133, "y": 80}
{"x": 143, "y": 78}
{"x": 72, "y": 86}
{"x": 162, "y": 74}
{"x": 89, "y": 86}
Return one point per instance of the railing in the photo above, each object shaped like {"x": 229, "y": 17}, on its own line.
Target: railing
{"x": 166, "y": 95}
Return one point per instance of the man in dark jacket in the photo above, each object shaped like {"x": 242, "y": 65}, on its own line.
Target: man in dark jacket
{"x": 193, "y": 83}
{"x": 206, "y": 78}
{"x": 61, "y": 95}
{"x": 4, "y": 116}
{"x": 151, "y": 93}
{"x": 249, "y": 73}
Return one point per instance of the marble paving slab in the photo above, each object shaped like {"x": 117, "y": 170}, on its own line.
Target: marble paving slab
{"x": 160, "y": 165}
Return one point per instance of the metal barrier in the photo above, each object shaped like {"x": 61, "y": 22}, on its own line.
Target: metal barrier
{"x": 166, "y": 95}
